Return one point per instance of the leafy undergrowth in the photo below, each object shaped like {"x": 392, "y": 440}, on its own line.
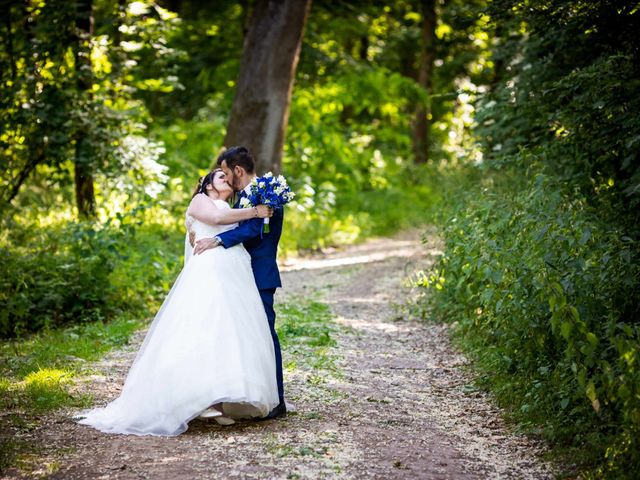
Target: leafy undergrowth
{"x": 542, "y": 293}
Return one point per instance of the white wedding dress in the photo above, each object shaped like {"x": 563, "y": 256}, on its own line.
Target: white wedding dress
{"x": 209, "y": 343}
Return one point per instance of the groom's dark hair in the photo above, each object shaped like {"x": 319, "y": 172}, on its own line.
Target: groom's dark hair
{"x": 237, "y": 157}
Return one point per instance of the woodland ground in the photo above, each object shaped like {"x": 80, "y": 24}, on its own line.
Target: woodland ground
{"x": 391, "y": 398}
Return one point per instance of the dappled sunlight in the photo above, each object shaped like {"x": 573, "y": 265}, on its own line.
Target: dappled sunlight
{"x": 47, "y": 378}
{"x": 312, "y": 264}
{"x": 375, "y": 250}
{"x": 367, "y": 300}
{"x": 370, "y": 324}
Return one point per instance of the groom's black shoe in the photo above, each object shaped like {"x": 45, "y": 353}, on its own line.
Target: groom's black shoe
{"x": 280, "y": 409}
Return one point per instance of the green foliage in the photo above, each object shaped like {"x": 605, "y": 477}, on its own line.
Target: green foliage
{"x": 305, "y": 322}
{"x": 46, "y": 388}
{"x": 68, "y": 99}
{"x": 56, "y": 278}
{"x": 210, "y": 40}
{"x": 541, "y": 266}
{"x": 38, "y": 374}
{"x": 83, "y": 272}
{"x": 348, "y": 160}
{"x": 545, "y": 294}
{"x": 570, "y": 86}
{"x": 191, "y": 145}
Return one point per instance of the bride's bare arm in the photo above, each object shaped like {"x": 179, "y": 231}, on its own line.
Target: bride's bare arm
{"x": 203, "y": 209}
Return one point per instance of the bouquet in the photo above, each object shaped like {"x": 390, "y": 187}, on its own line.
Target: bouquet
{"x": 268, "y": 190}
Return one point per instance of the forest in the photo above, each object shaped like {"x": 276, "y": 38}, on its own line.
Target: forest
{"x": 513, "y": 126}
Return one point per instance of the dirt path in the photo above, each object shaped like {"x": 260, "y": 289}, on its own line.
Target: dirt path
{"x": 400, "y": 406}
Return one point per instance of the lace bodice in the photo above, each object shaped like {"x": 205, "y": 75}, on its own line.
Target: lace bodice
{"x": 203, "y": 230}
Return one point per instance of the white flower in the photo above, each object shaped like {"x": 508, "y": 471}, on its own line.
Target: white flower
{"x": 245, "y": 202}
{"x": 131, "y": 46}
{"x": 260, "y": 184}
{"x": 268, "y": 175}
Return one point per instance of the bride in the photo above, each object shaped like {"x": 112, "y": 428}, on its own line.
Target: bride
{"x": 209, "y": 350}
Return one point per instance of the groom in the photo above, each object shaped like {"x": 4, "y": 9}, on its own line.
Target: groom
{"x": 239, "y": 168}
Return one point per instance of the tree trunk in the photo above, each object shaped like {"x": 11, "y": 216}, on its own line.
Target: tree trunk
{"x": 270, "y": 54}
{"x": 425, "y": 73}
{"x": 364, "y": 48}
{"x": 85, "y": 195}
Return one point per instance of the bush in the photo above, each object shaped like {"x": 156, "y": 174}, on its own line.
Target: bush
{"x": 545, "y": 296}
{"x": 83, "y": 272}
{"x": 57, "y": 277}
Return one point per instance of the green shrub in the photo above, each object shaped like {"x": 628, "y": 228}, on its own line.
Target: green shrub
{"x": 56, "y": 278}
{"x": 545, "y": 295}
{"x": 83, "y": 272}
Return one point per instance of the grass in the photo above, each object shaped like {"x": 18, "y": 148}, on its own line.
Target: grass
{"x": 37, "y": 375}
{"x": 305, "y": 330}
{"x": 64, "y": 348}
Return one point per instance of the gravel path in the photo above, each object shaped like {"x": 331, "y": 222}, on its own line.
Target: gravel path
{"x": 398, "y": 406}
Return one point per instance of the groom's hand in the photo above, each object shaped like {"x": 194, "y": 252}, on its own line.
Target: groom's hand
{"x": 205, "y": 244}
{"x": 264, "y": 211}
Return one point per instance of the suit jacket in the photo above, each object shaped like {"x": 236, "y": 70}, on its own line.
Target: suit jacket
{"x": 263, "y": 250}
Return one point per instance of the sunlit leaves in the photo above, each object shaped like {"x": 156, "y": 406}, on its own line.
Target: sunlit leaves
{"x": 442, "y": 30}
{"x": 557, "y": 330}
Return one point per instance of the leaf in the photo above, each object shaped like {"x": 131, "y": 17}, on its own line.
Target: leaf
{"x": 557, "y": 288}
{"x": 586, "y": 235}
{"x": 574, "y": 313}
{"x": 591, "y": 395}
{"x": 542, "y": 232}
{"x": 565, "y": 329}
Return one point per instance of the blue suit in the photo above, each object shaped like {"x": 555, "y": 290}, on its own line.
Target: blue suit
{"x": 263, "y": 253}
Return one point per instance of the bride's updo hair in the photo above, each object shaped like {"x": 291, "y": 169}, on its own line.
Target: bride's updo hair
{"x": 206, "y": 180}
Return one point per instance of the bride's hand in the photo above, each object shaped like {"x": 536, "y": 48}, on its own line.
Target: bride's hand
{"x": 264, "y": 211}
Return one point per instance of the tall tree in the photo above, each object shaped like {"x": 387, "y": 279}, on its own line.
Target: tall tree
{"x": 33, "y": 114}
{"x": 85, "y": 195}
{"x": 425, "y": 80}
{"x": 260, "y": 110}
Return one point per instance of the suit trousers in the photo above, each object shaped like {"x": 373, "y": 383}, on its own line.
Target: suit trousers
{"x": 267, "y": 300}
